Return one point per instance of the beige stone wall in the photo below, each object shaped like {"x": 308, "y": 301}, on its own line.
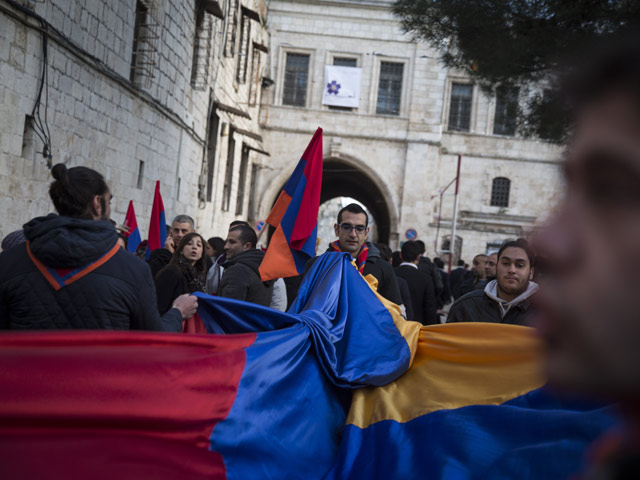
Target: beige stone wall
{"x": 99, "y": 119}
{"x": 411, "y": 155}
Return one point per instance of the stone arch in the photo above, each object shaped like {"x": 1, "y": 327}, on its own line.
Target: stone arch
{"x": 349, "y": 177}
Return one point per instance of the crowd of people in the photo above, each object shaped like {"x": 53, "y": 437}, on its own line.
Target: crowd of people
{"x": 68, "y": 271}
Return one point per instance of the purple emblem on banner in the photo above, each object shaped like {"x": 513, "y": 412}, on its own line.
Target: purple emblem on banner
{"x": 333, "y": 87}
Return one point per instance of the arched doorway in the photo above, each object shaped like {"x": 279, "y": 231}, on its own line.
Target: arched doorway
{"x": 341, "y": 179}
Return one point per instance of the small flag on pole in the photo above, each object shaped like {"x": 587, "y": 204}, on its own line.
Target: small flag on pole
{"x": 133, "y": 233}
{"x": 295, "y": 217}
{"x": 158, "y": 223}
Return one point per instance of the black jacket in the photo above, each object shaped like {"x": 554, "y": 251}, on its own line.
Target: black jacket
{"x": 170, "y": 284}
{"x": 476, "y": 306}
{"x": 461, "y": 281}
{"x": 158, "y": 259}
{"x": 241, "y": 279}
{"x": 445, "y": 295}
{"x": 423, "y": 296}
{"x": 427, "y": 267}
{"x": 403, "y": 286}
{"x": 118, "y": 294}
{"x": 383, "y": 271}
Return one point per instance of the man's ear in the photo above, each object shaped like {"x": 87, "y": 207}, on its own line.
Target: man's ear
{"x": 531, "y": 274}
{"x": 96, "y": 206}
{"x": 336, "y": 229}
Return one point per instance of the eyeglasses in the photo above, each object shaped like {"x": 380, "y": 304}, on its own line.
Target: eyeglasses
{"x": 347, "y": 228}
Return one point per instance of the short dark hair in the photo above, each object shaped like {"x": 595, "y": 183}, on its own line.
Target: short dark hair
{"x": 236, "y": 223}
{"x": 246, "y": 234}
{"x": 461, "y": 263}
{"x": 353, "y": 208}
{"x": 74, "y": 188}
{"x": 438, "y": 262}
{"x": 396, "y": 259}
{"x": 421, "y": 247}
{"x": 385, "y": 251}
{"x": 217, "y": 244}
{"x": 410, "y": 251}
{"x": 519, "y": 243}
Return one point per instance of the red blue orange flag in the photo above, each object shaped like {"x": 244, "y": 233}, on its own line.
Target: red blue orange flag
{"x": 295, "y": 217}
{"x": 158, "y": 223}
{"x": 339, "y": 387}
{"x": 133, "y": 235}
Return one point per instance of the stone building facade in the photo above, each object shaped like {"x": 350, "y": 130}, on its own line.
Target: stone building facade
{"x": 139, "y": 90}
{"x": 399, "y": 148}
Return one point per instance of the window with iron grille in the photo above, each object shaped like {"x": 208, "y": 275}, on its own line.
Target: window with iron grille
{"x": 230, "y": 40}
{"x": 504, "y": 121}
{"x": 460, "y": 107}
{"x": 228, "y": 177}
{"x": 500, "y": 192}
{"x": 295, "y": 79}
{"x": 242, "y": 180}
{"x": 344, "y": 62}
{"x": 201, "y": 49}
{"x": 243, "y": 54}
{"x": 389, "y": 88}
{"x": 145, "y": 44}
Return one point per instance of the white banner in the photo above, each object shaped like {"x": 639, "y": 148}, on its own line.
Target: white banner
{"x": 342, "y": 86}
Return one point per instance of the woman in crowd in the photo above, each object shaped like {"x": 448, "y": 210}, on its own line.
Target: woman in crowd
{"x": 185, "y": 274}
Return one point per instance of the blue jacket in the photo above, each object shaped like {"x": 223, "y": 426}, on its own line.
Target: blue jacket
{"x": 71, "y": 275}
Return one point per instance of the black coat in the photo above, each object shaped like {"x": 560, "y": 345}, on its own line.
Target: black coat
{"x": 423, "y": 296}
{"x": 119, "y": 294}
{"x": 477, "y": 306}
{"x": 241, "y": 279}
{"x": 158, "y": 259}
{"x": 427, "y": 267}
{"x": 403, "y": 286}
{"x": 445, "y": 295}
{"x": 460, "y": 279}
{"x": 170, "y": 284}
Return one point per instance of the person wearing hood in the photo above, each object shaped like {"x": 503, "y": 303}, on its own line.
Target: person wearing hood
{"x": 241, "y": 279}
{"x": 71, "y": 272}
{"x": 507, "y": 299}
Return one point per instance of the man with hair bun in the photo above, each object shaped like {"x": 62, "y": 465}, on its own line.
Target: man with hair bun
{"x": 71, "y": 272}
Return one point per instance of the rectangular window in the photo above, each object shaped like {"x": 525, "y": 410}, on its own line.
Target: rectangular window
{"x": 140, "y": 173}
{"x": 460, "y": 107}
{"x": 201, "y": 49}
{"x": 243, "y": 54}
{"x": 145, "y": 43}
{"x": 242, "y": 180}
{"x": 212, "y": 145}
{"x": 295, "y": 80}
{"x": 228, "y": 177}
{"x": 252, "y": 189}
{"x": 230, "y": 40}
{"x": 504, "y": 121}
{"x": 344, "y": 62}
{"x": 390, "y": 88}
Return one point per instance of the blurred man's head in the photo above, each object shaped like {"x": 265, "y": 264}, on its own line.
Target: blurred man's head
{"x": 80, "y": 192}
{"x": 180, "y": 226}
{"x": 591, "y": 294}
{"x": 490, "y": 265}
{"x": 514, "y": 269}
{"x": 410, "y": 252}
{"x": 240, "y": 239}
{"x": 478, "y": 265}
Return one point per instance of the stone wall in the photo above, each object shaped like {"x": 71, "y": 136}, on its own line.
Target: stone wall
{"x": 99, "y": 118}
{"x": 412, "y": 155}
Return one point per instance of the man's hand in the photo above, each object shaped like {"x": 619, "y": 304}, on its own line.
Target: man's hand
{"x": 168, "y": 243}
{"x": 187, "y": 304}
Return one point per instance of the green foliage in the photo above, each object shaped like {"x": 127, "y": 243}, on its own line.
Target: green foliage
{"x": 516, "y": 43}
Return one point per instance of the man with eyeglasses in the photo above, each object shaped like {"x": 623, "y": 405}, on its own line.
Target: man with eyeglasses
{"x": 352, "y": 230}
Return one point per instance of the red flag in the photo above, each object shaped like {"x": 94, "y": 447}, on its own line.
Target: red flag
{"x": 295, "y": 216}
{"x": 157, "y": 224}
{"x": 133, "y": 234}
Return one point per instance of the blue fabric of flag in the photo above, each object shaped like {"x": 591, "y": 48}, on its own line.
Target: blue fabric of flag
{"x": 534, "y": 436}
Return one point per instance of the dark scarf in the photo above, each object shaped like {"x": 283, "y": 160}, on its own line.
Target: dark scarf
{"x": 195, "y": 279}
{"x": 361, "y": 259}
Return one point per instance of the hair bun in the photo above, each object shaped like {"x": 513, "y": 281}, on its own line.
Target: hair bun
{"x": 59, "y": 172}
